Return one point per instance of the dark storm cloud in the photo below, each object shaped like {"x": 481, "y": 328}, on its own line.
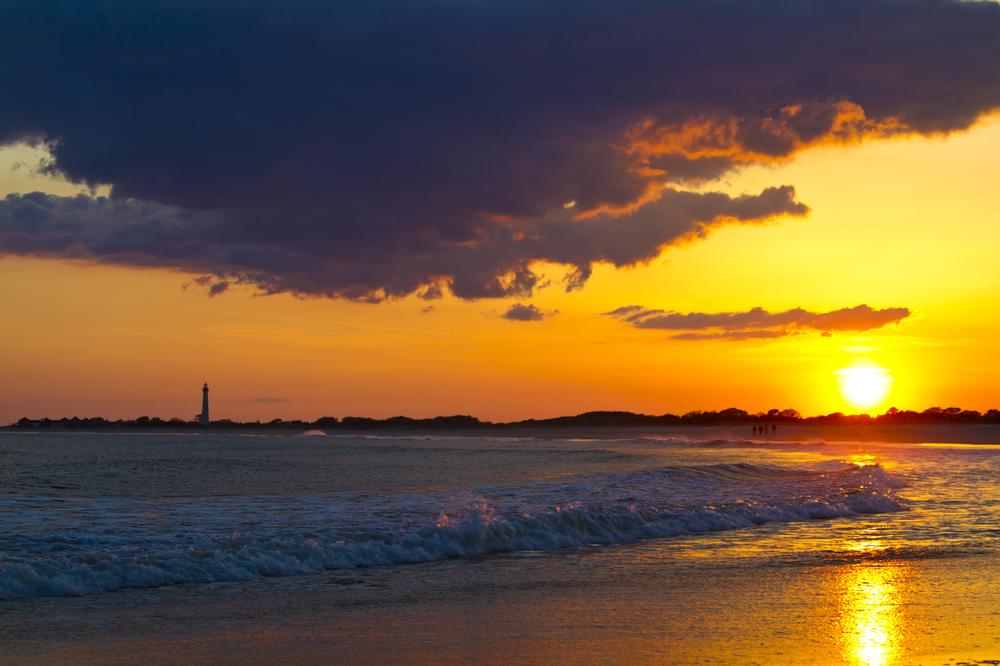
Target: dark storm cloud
{"x": 129, "y": 232}
{"x": 757, "y": 322}
{"x": 524, "y": 312}
{"x": 371, "y": 149}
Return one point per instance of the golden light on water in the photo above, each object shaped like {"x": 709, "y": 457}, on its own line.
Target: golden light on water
{"x": 868, "y": 546}
{"x": 864, "y": 384}
{"x": 863, "y": 459}
{"x": 871, "y": 621}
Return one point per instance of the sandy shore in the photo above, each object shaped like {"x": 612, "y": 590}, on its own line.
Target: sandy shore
{"x": 570, "y": 608}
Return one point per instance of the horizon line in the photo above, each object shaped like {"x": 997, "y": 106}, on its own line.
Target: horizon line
{"x": 730, "y": 414}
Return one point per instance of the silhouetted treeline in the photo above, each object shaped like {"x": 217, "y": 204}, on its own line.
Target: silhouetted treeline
{"x": 325, "y": 422}
{"x": 734, "y": 416}
{"x": 731, "y": 416}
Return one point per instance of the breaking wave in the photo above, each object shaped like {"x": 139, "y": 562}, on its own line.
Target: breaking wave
{"x": 103, "y": 545}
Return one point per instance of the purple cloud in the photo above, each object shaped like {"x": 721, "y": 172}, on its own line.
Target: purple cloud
{"x": 757, "y": 322}
{"x": 370, "y": 150}
{"x": 525, "y": 312}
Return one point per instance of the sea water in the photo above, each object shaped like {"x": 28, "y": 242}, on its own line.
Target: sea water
{"x": 89, "y": 514}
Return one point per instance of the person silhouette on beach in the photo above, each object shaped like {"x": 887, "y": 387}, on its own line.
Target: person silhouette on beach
{"x": 774, "y": 429}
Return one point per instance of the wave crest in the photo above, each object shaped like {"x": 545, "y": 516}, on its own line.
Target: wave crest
{"x": 619, "y": 508}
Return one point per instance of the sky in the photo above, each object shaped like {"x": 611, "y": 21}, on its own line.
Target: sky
{"x": 510, "y": 210}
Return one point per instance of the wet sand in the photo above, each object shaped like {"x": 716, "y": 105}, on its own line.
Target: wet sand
{"x": 635, "y": 604}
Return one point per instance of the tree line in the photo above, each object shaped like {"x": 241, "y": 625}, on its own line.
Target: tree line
{"x": 731, "y": 416}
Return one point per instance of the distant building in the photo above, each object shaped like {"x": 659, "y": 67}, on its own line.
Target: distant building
{"x": 203, "y": 417}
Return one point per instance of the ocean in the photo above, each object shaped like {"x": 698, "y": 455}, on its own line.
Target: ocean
{"x": 696, "y": 546}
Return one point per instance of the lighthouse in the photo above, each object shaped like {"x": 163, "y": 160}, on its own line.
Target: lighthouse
{"x": 204, "y": 406}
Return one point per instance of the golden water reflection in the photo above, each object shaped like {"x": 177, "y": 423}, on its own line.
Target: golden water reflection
{"x": 871, "y": 619}
{"x": 862, "y": 459}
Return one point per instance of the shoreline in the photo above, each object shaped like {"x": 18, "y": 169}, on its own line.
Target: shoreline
{"x": 875, "y": 586}
{"x": 573, "y": 606}
{"x": 944, "y": 433}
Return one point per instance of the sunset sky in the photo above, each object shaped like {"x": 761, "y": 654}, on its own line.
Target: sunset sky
{"x": 485, "y": 208}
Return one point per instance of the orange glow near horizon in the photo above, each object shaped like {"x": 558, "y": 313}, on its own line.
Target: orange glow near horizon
{"x": 894, "y": 223}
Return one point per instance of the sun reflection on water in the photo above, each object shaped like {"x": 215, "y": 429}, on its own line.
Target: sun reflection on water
{"x": 872, "y": 546}
{"x": 871, "y": 620}
{"x": 862, "y": 459}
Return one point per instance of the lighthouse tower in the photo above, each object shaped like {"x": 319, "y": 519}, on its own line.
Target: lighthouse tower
{"x": 204, "y": 406}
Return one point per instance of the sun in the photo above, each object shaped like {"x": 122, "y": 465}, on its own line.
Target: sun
{"x": 864, "y": 384}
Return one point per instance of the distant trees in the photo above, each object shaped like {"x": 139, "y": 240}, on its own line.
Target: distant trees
{"x": 594, "y": 419}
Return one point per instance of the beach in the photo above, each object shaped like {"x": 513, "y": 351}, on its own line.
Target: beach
{"x": 609, "y": 546}
{"x": 490, "y": 332}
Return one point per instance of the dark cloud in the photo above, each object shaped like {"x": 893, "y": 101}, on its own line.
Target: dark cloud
{"x": 129, "y": 232}
{"x": 757, "y": 322}
{"x": 373, "y": 149}
{"x": 525, "y": 312}
{"x": 218, "y": 287}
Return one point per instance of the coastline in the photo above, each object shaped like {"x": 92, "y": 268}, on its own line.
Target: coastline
{"x": 940, "y": 433}
{"x": 575, "y": 608}
{"x": 874, "y": 587}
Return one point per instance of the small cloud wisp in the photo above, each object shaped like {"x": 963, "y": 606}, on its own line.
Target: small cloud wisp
{"x": 757, "y": 323}
{"x": 525, "y": 312}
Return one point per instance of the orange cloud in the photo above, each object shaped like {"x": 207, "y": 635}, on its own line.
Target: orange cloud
{"x": 763, "y": 139}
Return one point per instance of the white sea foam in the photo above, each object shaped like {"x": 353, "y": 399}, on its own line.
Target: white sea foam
{"x": 99, "y": 545}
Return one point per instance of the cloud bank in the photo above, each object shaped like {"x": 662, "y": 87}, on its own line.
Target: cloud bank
{"x": 525, "y": 312}
{"x": 369, "y": 150}
{"x": 757, "y": 323}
